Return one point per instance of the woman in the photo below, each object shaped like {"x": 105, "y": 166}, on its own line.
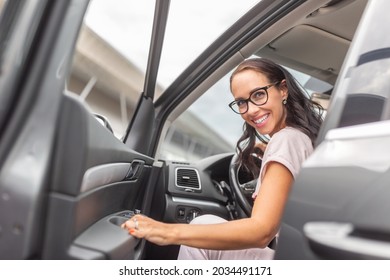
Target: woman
{"x": 274, "y": 107}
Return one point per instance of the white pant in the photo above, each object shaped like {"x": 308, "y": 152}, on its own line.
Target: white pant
{"x": 190, "y": 253}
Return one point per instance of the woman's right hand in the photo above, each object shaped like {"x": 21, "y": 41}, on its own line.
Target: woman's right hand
{"x": 141, "y": 226}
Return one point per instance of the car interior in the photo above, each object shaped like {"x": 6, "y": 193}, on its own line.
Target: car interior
{"x": 91, "y": 181}
{"x": 313, "y": 39}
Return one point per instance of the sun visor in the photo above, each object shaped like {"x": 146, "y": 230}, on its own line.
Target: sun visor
{"x": 303, "y": 44}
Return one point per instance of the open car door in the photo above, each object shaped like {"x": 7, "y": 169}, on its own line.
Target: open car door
{"x": 66, "y": 182}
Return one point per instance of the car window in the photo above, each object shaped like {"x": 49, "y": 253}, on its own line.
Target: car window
{"x": 206, "y": 128}
{"x": 111, "y": 57}
{"x": 192, "y": 26}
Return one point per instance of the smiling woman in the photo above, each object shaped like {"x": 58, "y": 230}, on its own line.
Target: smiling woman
{"x": 288, "y": 116}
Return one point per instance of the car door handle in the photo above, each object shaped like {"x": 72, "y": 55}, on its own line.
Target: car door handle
{"x": 135, "y": 170}
{"x": 345, "y": 241}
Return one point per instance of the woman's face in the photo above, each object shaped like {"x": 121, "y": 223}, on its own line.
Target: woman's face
{"x": 268, "y": 118}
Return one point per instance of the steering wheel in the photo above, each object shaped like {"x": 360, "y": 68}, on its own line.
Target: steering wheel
{"x": 242, "y": 190}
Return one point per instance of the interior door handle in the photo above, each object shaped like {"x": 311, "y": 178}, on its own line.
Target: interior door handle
{"x": 135, "y": 169}
{"x": 333, "y": 240}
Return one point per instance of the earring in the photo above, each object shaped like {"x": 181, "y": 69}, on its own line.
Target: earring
{"x": 284, "y": 101}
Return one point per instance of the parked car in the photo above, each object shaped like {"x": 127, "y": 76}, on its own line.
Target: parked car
{"x": 67, "y": 182}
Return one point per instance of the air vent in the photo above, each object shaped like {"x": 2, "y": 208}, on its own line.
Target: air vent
{"x": 187, "y": 178}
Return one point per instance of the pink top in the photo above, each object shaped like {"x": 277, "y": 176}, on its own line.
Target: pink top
{"x": 289, "y": 147}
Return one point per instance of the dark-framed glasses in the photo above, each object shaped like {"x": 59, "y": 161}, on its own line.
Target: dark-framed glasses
{"x": 259, "y": 96}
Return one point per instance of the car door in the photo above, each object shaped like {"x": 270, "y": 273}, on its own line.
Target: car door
{"x": 338, "y": 208}
{"x": 66, "y": 181}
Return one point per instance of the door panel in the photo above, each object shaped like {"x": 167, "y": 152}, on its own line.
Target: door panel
{"x": 96, "y": 179}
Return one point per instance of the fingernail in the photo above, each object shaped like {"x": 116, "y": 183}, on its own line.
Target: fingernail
{"x": 131, "y": 231}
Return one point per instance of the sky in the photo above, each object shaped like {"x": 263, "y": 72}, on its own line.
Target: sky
{"x": 191, "y": 27}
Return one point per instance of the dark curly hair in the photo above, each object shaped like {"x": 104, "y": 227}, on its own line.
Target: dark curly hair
{"x": 302, "y": 113}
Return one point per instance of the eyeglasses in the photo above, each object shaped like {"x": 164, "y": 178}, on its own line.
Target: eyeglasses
{"x": 259, "y": 96}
